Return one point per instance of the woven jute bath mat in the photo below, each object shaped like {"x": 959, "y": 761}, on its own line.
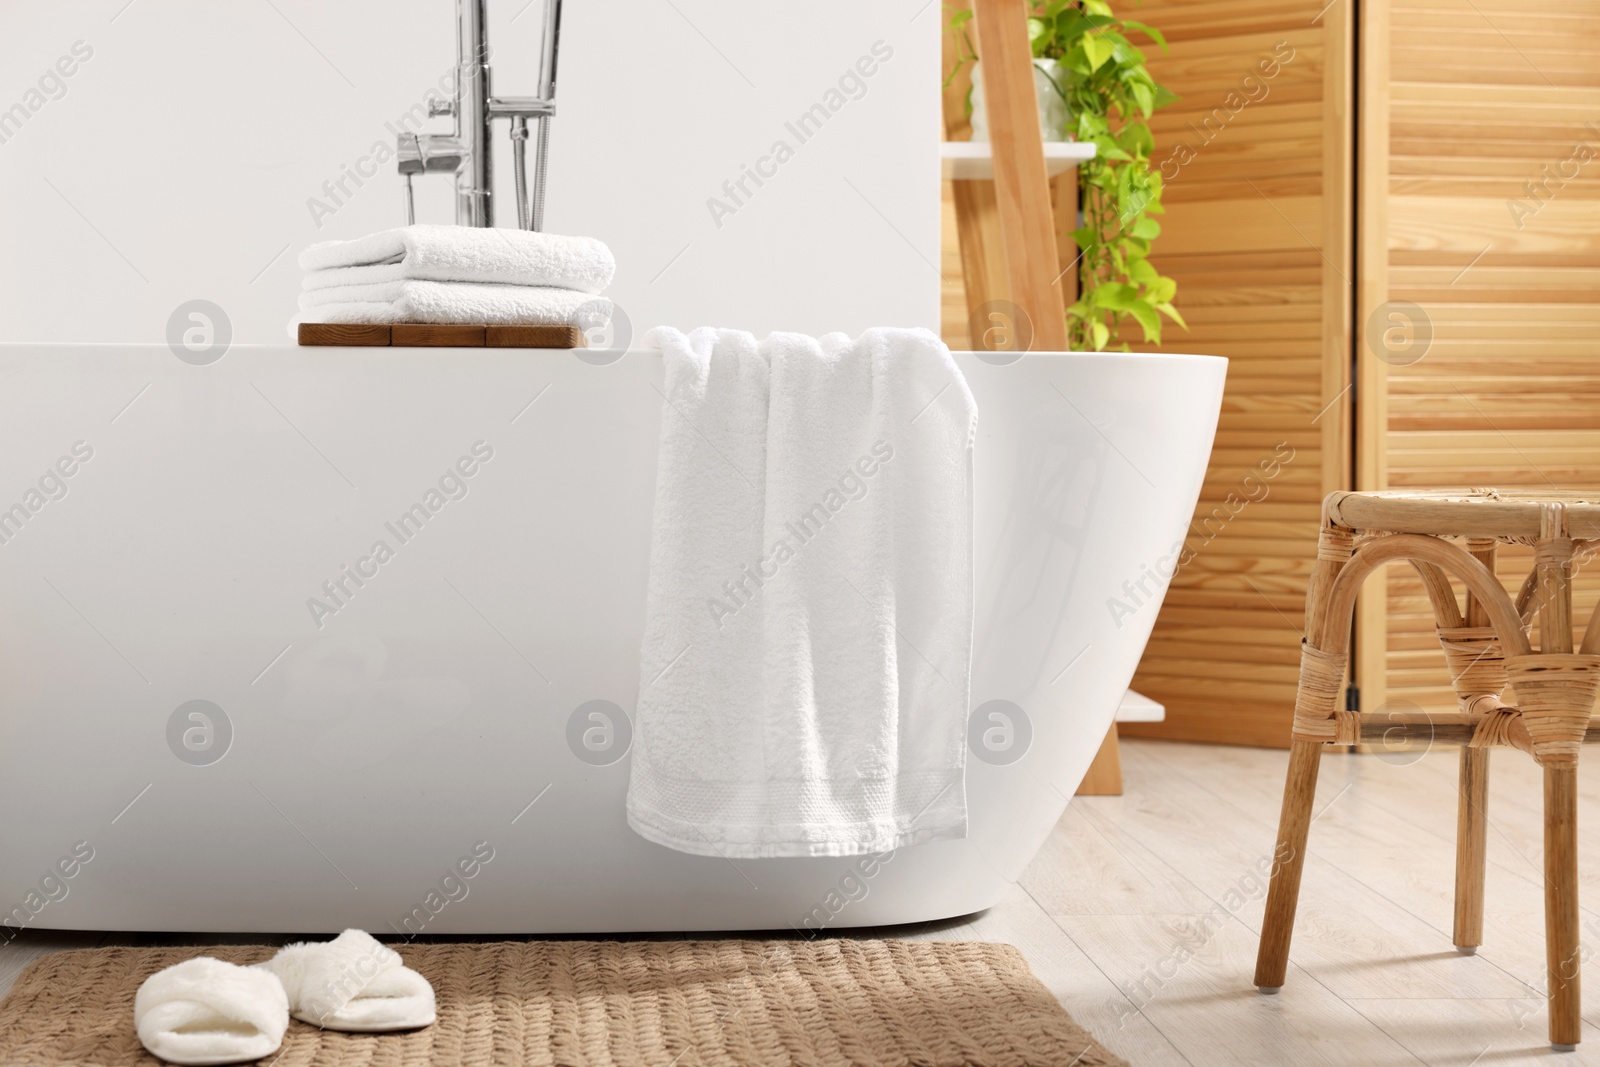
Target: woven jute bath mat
{"x": 613, "y": 1004}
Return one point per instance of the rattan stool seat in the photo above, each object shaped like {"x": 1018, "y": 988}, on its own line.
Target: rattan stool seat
{"x": 1500, "y": 515}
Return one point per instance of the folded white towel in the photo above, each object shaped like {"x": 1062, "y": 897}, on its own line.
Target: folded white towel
{"x": 461, "y": 254}
{"x": 416, "y": 301}
{"x": 808, "y": 642}
{"x": 205, "y": 1011}
{"x": 353, "y": 982}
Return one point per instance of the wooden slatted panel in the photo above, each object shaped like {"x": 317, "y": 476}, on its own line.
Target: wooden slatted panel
{"x": 1484, "y": 106}
{"x": 1256, "y": 162}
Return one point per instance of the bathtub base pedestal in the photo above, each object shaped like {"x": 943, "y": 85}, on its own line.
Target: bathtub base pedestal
{"x": 1105, "y": 773}
{"x": 1104, "y": 777}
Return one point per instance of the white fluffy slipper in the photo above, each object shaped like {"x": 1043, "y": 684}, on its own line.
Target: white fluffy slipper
{"x": 352, "y": 983}
{"x": 205, "y": 1011}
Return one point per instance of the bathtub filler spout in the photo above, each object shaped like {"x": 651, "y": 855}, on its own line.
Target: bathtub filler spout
{"x": 337, "y": 192}
{"x": 466, "y": 152}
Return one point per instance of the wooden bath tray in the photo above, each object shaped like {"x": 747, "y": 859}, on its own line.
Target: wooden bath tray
{"x": 440, "y": 335}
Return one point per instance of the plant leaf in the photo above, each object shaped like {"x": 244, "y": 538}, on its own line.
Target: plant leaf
{"x": 1119, "y": 296}
{"x": 1145, "y": 97}
{"x": 1172, "y": 313}
{"x": 1136, "y": 139}
{"x": 1149, "y": 31}
{"x": 1147, "y": 319}
{"x": 1096, "y": 50}
{"x": 1161, "y": 291}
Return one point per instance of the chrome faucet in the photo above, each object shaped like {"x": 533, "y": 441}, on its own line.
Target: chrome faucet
{"x": 466, "y": 153}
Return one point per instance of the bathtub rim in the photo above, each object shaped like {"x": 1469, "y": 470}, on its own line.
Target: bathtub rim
{"x": 1143, "y": 357}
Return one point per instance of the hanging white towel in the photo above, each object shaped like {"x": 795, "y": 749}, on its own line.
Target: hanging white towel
{"x": 808, "y": 642}
{"x": 416, "y": 301}
{"x": 461, "y": 254}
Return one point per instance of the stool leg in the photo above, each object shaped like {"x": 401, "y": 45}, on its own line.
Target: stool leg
{"x": 1553, "y": 567}
{"x": 1472, "y": 825}
{"x": 1561, "y": 902}
{"x": 1294, "y": 824}
{"x": 1485, "y": 670}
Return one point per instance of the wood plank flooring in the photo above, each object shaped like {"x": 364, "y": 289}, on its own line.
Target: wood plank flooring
{"x": 1141, "y": 914}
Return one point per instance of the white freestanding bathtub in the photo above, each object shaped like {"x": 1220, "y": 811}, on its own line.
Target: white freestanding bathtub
{"x": 188, "y": 742}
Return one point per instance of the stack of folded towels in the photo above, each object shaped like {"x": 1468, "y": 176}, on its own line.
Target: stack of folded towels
{"x": 459, "y": 274}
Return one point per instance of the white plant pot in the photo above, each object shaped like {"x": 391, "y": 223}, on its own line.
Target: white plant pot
{"x": 1054, "y": 118}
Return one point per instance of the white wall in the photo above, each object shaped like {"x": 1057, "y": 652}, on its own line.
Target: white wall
{"x": 177, "y": 160}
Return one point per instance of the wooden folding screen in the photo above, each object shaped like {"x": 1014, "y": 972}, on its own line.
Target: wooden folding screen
{"x": 1480, "y": 260}
{"x": 1256, "y": 158}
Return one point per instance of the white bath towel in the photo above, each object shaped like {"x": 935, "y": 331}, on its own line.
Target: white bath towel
{"x": 419, "y": 301}
{"x": 205, "y": 1011}
{"x": 354, "y": 983}
{"x": 461, "y": 254}
{"x": 804, "y": 671}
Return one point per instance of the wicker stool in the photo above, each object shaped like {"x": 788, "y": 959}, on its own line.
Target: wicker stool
{"x": 1487, "y": 647}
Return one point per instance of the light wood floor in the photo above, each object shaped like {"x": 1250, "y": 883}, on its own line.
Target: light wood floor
{"x": 1141, "y": 914}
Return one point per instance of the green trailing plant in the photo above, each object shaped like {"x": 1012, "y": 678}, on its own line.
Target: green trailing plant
{"x": 1110, "y": 96}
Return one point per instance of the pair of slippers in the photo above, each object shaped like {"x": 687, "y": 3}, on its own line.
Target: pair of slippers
{"x": 206, "y": 1011}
